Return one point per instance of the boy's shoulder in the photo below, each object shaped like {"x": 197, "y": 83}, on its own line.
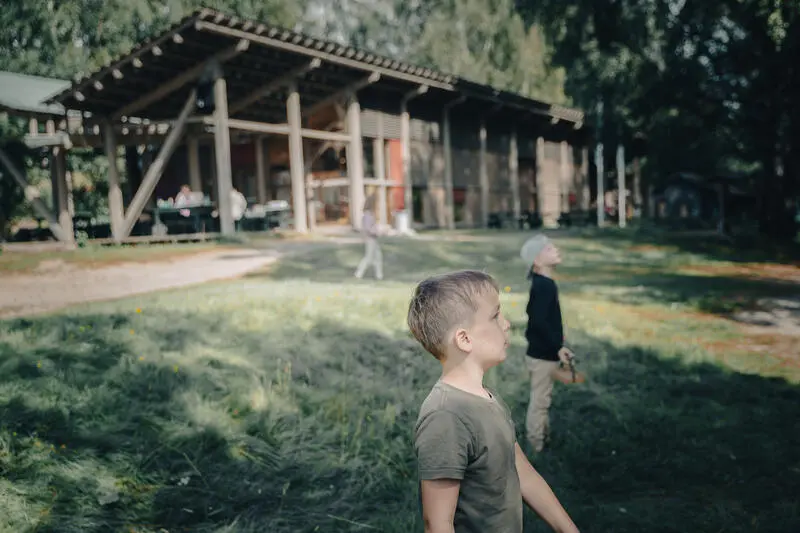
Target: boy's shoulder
{"x": 446, "y": 402}
{"x": 545, "y": 280}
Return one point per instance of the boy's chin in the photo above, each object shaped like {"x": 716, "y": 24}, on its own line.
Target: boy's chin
{"x": 497, "y": 358}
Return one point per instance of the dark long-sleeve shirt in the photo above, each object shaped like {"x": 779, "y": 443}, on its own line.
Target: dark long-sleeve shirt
{"x": 545, "y": 333}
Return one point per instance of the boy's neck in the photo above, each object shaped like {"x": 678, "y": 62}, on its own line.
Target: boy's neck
{"x": 547, "y": 272}
{"x": 465, "y": 376}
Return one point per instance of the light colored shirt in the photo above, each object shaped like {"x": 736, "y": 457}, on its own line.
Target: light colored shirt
{"x": 369, "y": 225}
{"x": 238, "y": 204}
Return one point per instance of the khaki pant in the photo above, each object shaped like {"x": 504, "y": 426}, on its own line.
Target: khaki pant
{"x": 372, "y": 257}
{"x": 537, "y": 422}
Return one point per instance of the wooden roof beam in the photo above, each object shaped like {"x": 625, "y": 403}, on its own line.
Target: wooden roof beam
{"x": 273, "y": 85}
{"x": 180, "y": 80}
{"x": 325, "y": 55}
{"x": 338, "y": 95}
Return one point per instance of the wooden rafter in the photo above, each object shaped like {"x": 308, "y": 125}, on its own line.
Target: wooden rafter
{"x": 342, "y": 93}
{"x": 180, "y": 80}
{"x": 273, "y": 85}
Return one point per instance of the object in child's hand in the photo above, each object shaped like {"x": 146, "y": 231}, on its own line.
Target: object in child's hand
{"x": 568, "y": 375}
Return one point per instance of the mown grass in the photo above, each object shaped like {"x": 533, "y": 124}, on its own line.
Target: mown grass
{"x": 16, "y": 262}
{"x": 286, "y": 402}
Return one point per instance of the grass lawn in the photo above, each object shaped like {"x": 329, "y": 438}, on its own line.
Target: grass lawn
{"x": 95, "y": 256}
{"x": 285, "y": 402}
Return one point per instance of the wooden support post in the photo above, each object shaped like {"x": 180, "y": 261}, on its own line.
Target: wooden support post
{"x": 378, "y": 151}
{"x": 311, "y": 202}
{"x": 621, "y": 187}
{"x": 539, "y": 178}
{"x": 513, "y": 174}
{"x": 585, "y": 189}
{"x": 261, "y": 170}
{"x": 222, "y": 152}
{"x": 405, "y": 146}
{"x": 355, "y": 161}
{"x": 637, "y": 186}
{"x": 294, "y": 118}
{"x": 450, "y": 220}
{"x": 156, "y": 168}
{"x": 565, "y": 181}
{"x": 484, "y": 176}
{"x": 32, "y": 195}
{"x": 448, "y": 172}
{"x": 193, "y": 154}
{"x": 116, "y": 209}
{"x": 601, "y": 199}
{"x": 391, "y": 178}
{"x": 61, "y": 191}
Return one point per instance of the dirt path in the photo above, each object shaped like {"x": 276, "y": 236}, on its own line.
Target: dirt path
{"x": 64, "y": 285}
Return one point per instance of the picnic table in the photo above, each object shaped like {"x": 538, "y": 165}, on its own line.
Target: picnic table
{"x": 197, "y": 217}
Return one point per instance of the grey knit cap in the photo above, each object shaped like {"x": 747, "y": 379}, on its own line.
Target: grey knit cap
{"x": 532, "y": 248}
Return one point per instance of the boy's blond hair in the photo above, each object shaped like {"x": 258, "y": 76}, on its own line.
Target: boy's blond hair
{"x": 440, "y": 303}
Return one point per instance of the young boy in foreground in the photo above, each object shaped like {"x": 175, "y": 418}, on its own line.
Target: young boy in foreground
{"x": 473, "y": 474}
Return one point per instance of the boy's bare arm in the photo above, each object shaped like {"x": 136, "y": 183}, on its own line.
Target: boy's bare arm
{"x": 439, "y": 499}
{"x": 538, "y": 495}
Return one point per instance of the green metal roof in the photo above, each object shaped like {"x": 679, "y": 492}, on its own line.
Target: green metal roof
{"x": 26, "y": 94}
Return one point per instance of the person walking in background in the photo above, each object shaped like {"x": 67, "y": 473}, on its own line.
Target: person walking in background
{"x": 238, "y": 207}
{"x": 544, "y": 333}
{"x": 372, "y": 252}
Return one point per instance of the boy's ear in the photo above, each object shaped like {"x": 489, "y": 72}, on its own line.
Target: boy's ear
{"x": 463, "y": 341}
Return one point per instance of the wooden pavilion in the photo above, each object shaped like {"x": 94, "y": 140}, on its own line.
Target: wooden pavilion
{"x": 239, "y": 94}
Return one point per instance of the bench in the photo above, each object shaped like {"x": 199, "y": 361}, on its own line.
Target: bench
{"x": 578, "y": 218}
{"x": 506, "y": 219}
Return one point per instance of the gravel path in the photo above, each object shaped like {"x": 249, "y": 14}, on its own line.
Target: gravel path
{"x": 62, "y": 285}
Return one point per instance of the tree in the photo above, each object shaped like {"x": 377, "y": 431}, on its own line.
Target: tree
{"x": 708, "y": 83}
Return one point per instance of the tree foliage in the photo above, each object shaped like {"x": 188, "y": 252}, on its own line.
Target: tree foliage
{"x": 708, "y": 83}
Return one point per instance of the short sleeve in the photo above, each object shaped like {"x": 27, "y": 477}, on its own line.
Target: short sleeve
{"x": 442, "y": 444}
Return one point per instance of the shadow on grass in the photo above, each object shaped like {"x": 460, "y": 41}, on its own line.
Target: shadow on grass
{"x": 711, "y": 294}
{"x": 213, "y": 428}
{"x": 196, "y": 424}
{"x": 653, "y": 444}
{"x": 749, "y": 249}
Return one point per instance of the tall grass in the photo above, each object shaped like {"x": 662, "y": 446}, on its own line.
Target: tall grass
{"x": 286, "y": 403}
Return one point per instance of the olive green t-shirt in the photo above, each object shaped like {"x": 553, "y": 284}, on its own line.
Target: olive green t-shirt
{"x": 463, "y": 436}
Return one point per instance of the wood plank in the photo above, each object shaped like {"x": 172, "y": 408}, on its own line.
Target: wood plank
{"x": 622, "y": 209}
{"x": 513, "y": 174}
{"x": 156, "y": 169}
{"x": 180, "y": 80}
{"x": 355, "y": 162}
{"x": 116, "y": 209}
{"x": 193, "y": 155}
{"x": 483, "y": 176}
{"x": 294, "y": 118}
{"x": 272, "y": 86}
{"x": 325, "y": 56}
{"x": 284, "y": 129}
{"x": 262, "y": 169}
{"x": 222, "y": 151}
{"x": 32, "y": 195}
{"x": 378, "y": 152}
{"x": 342, "y": 93}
